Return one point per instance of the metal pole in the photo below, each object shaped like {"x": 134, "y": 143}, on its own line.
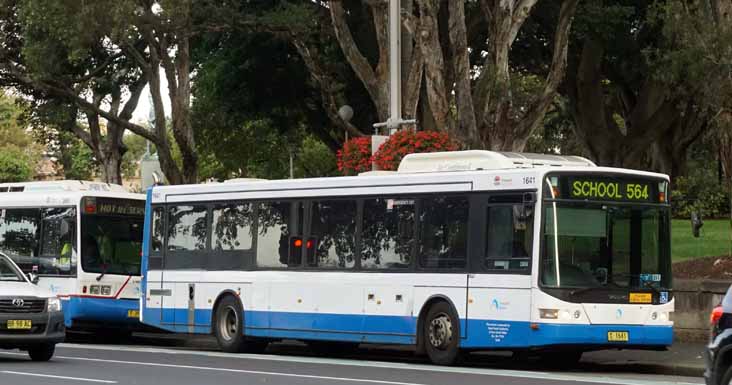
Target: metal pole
{"x": 395, "y": 71}
{"x": 395, "y": 65}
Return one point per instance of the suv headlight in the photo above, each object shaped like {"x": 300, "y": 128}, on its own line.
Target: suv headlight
{"x": 54, "y": 304}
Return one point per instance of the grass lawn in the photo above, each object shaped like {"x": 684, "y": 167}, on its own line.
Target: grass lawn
{"x": 714, "y": 239}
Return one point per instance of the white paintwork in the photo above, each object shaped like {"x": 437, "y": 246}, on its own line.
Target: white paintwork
{"x": 71, "y": 194}
{"x": 63, "y": 185}
{"x": 518, "y": 297}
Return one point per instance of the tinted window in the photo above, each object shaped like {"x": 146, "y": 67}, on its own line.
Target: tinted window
{"x": 509, "y": 237}
{"x": 232, "y": 227}
{"x": 156, "y": 243}
{"x": 444, "y": 232}
{"x": 58, "y": 249}
{"x": 277, "y": 223}
{"x": 187, "y": 228}
{"x": 19, "y": 233}
{"x": 8, "y": 272}
{"x": 332, "y": 240}
{"x": 40, "y": 240}
{"x": 387, "y": 237}
{"x": 111, "y": 244}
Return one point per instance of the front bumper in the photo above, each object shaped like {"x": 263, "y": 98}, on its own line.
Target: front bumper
{"x": 101, "y": 313}
{"x": 48, "y": 328}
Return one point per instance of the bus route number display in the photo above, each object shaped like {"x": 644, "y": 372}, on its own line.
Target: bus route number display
{"x": 610, "y": 190}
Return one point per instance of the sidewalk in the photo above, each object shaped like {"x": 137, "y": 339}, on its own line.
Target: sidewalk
{"x": 682, "y": 359}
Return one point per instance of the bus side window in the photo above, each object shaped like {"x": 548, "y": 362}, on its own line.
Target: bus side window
{"x": 509, "y": 237}
{"x": 387, "y": 236}
{"x": 19, "y": 233}
{"x": 156, "y": 238}
{"x": 332, "y": 239}
{"x": 279, "y": 225}
{"x": 444, "y": 232}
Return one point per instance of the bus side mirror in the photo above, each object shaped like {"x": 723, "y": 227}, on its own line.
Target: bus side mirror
{"x": 696, "y": 223}
{"x": 33, "y": 278}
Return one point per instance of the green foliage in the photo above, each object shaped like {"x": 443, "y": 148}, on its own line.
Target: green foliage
{"x": 78, "y": 161}
{"x": 15, "y": 165}
{"x": 136, "y": 146}
{"x": 705, "y": 196}
{"x": 18, "y": 152}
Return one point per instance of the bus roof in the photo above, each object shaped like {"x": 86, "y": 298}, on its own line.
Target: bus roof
{"x": 60, "y": 186}
{"x": 421, "y": 173}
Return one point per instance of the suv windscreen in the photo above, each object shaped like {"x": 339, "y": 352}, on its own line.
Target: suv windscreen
{"x": 8, "y": 272}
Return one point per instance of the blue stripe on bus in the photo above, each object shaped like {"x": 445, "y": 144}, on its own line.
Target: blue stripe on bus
{"x": 109, "y": 312}
{"x": 401, "y": 330}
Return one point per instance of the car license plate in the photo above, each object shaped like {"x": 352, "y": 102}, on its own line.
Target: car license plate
{"x": 20, "y": 324}
{"x": 133, "y": 313}
{"x": 618, "y": 336}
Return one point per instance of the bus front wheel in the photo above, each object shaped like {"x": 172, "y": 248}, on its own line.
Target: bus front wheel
{"x": 229, "y": 328}
{"x": 441, "y": 333}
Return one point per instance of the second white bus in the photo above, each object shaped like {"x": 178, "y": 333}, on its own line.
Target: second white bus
{"x": 457, "y": 251}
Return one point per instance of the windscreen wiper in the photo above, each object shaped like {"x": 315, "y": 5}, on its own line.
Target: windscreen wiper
{"x": 584, "y": 290}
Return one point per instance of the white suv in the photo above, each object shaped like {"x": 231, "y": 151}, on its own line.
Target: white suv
{"x": 30, "y": 317}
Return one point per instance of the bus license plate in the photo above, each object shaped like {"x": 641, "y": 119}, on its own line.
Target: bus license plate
{"x": 19, "y": 324}
{"x": 617, "y": 336}
{"x": 133, "y": 313}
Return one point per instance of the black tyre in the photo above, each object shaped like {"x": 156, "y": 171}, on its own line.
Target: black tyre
{"x": 228, "y": 327}
{"x": 441, "y": 333}
{"x": 565, "y": 359}
{"x": 727, "y": 377}
{"x": 42, "y": 353}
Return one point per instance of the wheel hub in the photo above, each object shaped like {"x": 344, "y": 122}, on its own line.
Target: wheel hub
{"x": 440, "y": 331}
{"x": 229, "y": 324}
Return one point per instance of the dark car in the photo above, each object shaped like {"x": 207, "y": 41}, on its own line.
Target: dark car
{"x": 719, "y": 350}
{"x": 30, "y": 317}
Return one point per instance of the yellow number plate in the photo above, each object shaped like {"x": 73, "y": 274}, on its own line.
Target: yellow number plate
{"x": 618, "y": 336}
{"x": 133, "y": 313}
{"x": 20, "y": 324}
{"x": 641, "y": 298}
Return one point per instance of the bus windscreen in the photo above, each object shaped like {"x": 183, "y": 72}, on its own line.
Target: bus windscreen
{"x": 111, "y": 235}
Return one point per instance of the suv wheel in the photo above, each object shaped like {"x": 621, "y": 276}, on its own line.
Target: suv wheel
{"x": 42, "y": 352}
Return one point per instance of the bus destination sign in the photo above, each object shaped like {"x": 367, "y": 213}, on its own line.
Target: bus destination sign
{"x": 120, "y": 207}
{"x": 612, "y": 190}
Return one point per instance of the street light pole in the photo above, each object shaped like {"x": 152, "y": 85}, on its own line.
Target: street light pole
{"x": 395, "y": 70}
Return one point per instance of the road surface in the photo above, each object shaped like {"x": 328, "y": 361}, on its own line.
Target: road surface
{"x": 173, "y": 365}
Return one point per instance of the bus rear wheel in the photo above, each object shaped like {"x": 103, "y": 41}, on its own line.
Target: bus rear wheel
{"x": 229, "y": 328}
{"x": 441, "y": 333}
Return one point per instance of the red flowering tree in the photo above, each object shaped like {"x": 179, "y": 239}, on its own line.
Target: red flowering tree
{"x": 405, "y": 142}
{"x": 355, "y": 156}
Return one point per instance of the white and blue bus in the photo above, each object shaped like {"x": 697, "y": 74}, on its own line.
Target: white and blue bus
{"x": 471, "y": 250}
{"x": 83, "y": 242}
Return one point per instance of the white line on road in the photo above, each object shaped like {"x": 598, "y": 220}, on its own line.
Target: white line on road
{"x": 587, "y": 378}
{"x": 258, "y": 372}
{"x": 58, "y": 377}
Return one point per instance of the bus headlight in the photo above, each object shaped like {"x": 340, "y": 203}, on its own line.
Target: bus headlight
{"x": 549, "y": 313}
{"x": 654, "y": 316}
{"x": 53, "y": 304}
